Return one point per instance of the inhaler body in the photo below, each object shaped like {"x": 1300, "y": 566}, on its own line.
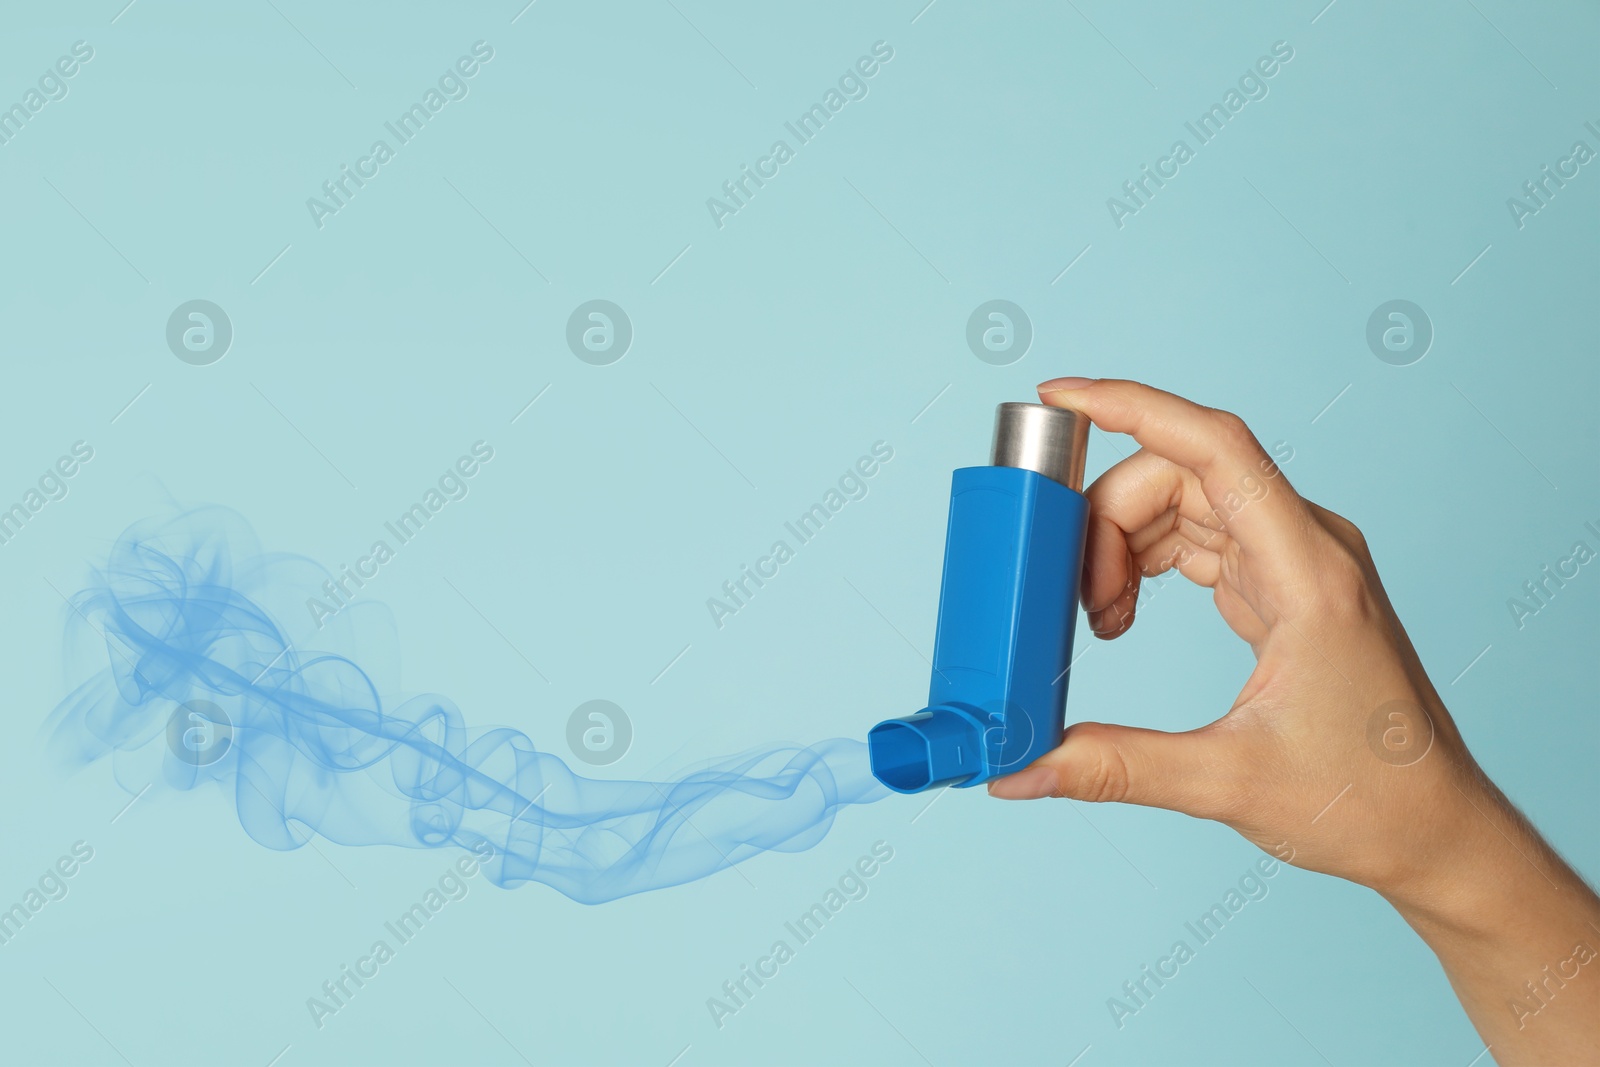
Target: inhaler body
{"x": 1007, "y": 608}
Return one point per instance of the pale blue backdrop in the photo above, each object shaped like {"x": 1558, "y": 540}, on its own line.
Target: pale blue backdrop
{"x": 767, "y": 354}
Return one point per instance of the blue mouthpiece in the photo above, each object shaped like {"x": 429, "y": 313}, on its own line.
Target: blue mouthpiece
{"x": 934, "y": 745}
{"x": 1003, "y": 647}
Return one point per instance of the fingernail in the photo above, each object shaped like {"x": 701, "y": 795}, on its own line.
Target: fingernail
{"x": 1065, "y": 385}
{"x": 1103, "y": 622}
{"x": 1031, "y": 784}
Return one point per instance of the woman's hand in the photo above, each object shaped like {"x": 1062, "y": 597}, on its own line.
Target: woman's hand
{"x": 1338, "y": 754}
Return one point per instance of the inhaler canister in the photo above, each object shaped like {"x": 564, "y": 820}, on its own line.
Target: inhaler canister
{"x": 1013, "y": 553}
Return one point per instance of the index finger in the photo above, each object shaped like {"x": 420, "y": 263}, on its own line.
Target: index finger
{"x": 1247, "y": 492}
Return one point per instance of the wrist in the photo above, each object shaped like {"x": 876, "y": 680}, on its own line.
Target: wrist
{"x": 1484, "y": 867}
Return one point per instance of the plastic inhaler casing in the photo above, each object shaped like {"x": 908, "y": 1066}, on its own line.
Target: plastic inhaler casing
{"x": 1003, "y": 648}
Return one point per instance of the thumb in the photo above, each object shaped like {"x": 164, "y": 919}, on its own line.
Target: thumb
{"x": 1188, "y": 772}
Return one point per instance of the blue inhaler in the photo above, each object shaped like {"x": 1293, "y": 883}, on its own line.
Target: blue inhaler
{"x": 1013, "y": 552}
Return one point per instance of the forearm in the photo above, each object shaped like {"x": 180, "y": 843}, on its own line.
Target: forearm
{"x": 1518, "y": 934}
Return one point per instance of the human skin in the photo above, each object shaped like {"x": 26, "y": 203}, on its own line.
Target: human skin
{"x": 1338, "y": 754}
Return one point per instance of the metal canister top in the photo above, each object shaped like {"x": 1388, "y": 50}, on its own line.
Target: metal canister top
{"x": 1051, "y": 441}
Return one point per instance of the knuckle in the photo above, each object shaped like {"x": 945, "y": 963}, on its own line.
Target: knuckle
{"x": 1233, "y": 430}
{"x": 1345, "y": 587}
{"x": 1353, "y": 538}
{"x": 1344, "y": 584}
{"x": 1174, "y": 557}
{"x": 1341, "y": 527}
{"x": 1100, "y": 775}
{"x": 1208, "y": 532}
{"x": 1343, "y": 570}
{"x": 1349, "y": 544}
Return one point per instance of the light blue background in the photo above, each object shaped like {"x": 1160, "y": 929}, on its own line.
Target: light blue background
{"x": 807, "y": 328}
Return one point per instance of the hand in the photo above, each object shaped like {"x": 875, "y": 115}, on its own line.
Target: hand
{"x": 1338, "y": 754}
{"x": 1297, "y": 583}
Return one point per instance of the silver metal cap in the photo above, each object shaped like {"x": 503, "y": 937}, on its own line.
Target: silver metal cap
{"x": 1052, "y": 441}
